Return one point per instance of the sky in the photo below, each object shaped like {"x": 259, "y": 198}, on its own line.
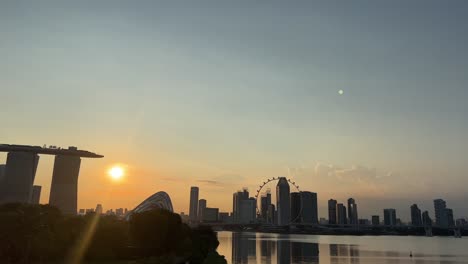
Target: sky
{"x": 223, "y": 95}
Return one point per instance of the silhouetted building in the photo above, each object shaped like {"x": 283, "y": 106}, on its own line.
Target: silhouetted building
{"x": 364, "y": 222}
{"x": 64, "y": 188}
{"x": 2, "y": 173}
{"x": 193, "y": 210}
{"x": 332, "y": 212}
{"x": 450, "y": 219}
{"x": 248, "y": 211}
{"x": 119, "y": 212}
{"x": 237, "y": 199}
{"x": 341, "y": 214}
{"x": 210, "y": 215}
{"x": 461, "y": 222}
{"x": 36, "y": 194}
{"x": 82, "y": 212}
{"x": 352, "y": 212}
{"x": 416, "y": 219}
{"x": 390, "y": 217}
{"x": 295, "y": 207}
{"x": 99, "y": 209}
{"x": 375, "y": 220}
{"x": 18, "y": 177}
{"x": 201, "y": 209}
{"x": 224, "y": 217}
{"x": 265, "y": 201}
{"x": 271, "y": 214}
{"x": 283, "y": 202}
{"x": 426, "y": 219}
{"x": 309, "y": 208}
{"x": 440, "y": 213}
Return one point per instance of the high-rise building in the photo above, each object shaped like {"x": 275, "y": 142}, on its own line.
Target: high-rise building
{"x": 237, "y": 199}
{"x": 36, "y": 194}
{"x": 18, "y": 177}
{"x": 309, "y": 208}
{"x": 201, "y": 209}
{"x": 271, "y": 214}
{"x": 64, "y": 188}
{"x": 332, "y": 212}
{"x": 265, "y": 201}
{"x": 283, "y": 202}
{"x": 450, "y": 219}
{"x": 390, "y": 217}
{"x": 341, "y": 214}
{"x": 440, "y": 213}
{"x": 352, "y": 212}
{"x": 99, "y": 209}
{"x": 426, "y": 219}
{"x": 210, "y": 215}
{"x": 193, "y": 210}
{"x": 295, "y": 207}
{"x": 375, "y": 220}
{"x": 416, "y": 219}
{"x": 247, "y": 212}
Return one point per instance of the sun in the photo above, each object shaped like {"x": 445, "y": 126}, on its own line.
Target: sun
{"x": 116, "y": 172}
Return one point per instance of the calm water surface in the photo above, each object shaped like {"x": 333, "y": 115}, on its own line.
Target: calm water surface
{"x": 282, "y": 249}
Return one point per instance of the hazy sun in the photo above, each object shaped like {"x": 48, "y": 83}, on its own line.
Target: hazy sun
{"x": 116, "y": 172}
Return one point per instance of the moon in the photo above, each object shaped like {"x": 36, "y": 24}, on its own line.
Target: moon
{"x": 340, "y": 92}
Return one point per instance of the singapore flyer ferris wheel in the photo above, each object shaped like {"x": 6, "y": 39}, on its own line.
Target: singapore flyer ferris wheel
{"x": 276, "y": 179}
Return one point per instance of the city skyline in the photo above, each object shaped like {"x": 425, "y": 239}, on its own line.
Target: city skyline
{"x": 346, "y": 101}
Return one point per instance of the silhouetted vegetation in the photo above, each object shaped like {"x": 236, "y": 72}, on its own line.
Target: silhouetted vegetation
{"x": 40, "y": 233}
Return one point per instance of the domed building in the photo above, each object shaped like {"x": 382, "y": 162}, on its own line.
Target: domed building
{"x": 159, "y": 200}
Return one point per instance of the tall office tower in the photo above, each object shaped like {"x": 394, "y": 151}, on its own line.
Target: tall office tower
{"x": 309, "y": 208}
{"x": 426, "y": 219}
{"x": 450, "y": 219}
{"x": 332, "y": 212}
{"x": 18, "y": 178}
{"x": 201, "y": 209}
{"x": 440, "y": 213}
{"x": 283, "y": 202}
{"x": 264, "y": 203}
{"x": 237, "y": 199}
{"x": 36, "y": 194}
{"x": 375, "y": 220}
{"x": 271, "y": 214}
{"x": 99, "y": 209}
{"x": 341, "y": 214}
{"x": 416, "y": 219}
{"x": 193, "y": 210}
{"x": 247, "y": 213}
{"x": 296, "y": 214}
{"x": 64, "y": 188}
{"x": 352, "y": 212}
{"x": 390, "y": 217}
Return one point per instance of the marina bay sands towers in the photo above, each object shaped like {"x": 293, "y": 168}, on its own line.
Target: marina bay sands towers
{"x": 17, "y": 176}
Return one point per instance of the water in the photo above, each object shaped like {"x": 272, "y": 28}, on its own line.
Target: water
{"x": 290, "y": 249}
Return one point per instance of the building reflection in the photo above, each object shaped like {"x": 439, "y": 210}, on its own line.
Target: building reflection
{"x": 283, "y": 252}
{"x": 243, "y": 248}
{"x": 344, "y": 254}
{"x": 267, "y": 250}
{"x": 304, "y": 252}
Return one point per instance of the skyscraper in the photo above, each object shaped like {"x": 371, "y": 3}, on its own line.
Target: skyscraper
{"x": 375, "y": 220}
{"x": 193, "y": 210}
{"x": 296, "y": 207}
{"x": 450, "y": 219}
{"x": 352, "y": 212}
{"x": 264, "y": 203}
{"x": 440, "y": 213}
{"x": 237, "y": 199}
{"x": 18, "y": 178}
{"x": 64, "y": 188}
{"x": 247, "y": 212}
{"x": 283, "y": 201}
{"x": 332, "y": 212}
{"x": 36, "y": 194}
{"x": 201, "y": 209}
{"x": 416, "y": 219}
{"x": 426, "y": 219}
{"x": 341, "y": 214}
{"x": 271, "y": 214}
{"x": 99, "y": 209}
{"x": 309, "y": 208}
{"x": 390, "y": 217}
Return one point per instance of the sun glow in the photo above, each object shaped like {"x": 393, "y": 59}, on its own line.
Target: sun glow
{"x": 116, "y": 172}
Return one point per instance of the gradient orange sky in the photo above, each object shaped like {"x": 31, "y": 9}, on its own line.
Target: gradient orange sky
{"x": 225, "y": 95}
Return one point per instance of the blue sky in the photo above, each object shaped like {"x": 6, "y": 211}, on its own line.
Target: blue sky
{"x": 208, "y": 90}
